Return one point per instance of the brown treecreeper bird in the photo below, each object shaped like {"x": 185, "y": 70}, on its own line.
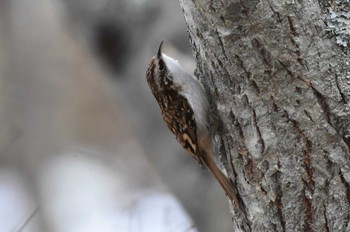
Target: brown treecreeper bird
{"x": 186, "y": 111}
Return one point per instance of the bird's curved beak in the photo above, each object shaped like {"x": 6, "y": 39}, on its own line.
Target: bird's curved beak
{"x": 159, "y": 53}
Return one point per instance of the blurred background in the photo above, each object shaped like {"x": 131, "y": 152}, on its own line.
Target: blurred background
{"x": 82, "y": 143}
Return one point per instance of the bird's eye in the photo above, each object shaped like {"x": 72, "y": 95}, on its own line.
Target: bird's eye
{"x": 161, "y": 66}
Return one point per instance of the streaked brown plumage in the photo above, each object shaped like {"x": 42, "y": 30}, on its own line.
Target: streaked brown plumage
{"x": 185, "y": 109}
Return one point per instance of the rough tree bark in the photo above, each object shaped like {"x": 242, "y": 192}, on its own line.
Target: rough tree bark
{"x": 279, "y": 74}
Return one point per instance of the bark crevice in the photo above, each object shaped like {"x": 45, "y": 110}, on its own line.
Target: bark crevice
{"x": 281, "y": 83}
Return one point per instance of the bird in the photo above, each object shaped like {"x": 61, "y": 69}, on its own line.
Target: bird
{"x": 186, "y": 111}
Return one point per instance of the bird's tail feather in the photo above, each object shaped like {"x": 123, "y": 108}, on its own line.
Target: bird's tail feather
{"x": 221, "y": 178}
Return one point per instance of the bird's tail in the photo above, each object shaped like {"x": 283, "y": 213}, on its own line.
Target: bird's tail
{"x": 222, "y": 179}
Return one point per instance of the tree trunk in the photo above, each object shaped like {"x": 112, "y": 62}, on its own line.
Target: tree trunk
{"x": 279, "y": 74}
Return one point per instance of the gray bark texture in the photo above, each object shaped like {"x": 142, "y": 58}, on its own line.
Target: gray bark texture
{"x": 279, "y": 74}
